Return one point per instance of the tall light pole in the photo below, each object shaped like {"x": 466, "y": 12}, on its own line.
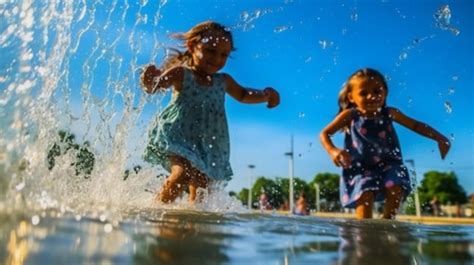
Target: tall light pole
{"x": 417, "y": 198}
{"x": 290, "y": 156}
{"x": 250, "y": 186}
{"x": 318, "y": 207}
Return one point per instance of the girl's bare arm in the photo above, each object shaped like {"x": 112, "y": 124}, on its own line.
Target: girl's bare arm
{"x": 152, "y": 79}
{"x": 248, "y": 95}
{"x": 339, "y": 156}
{"x": 422, "y": 129}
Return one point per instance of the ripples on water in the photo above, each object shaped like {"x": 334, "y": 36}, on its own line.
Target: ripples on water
{"x": 150, "y": 236}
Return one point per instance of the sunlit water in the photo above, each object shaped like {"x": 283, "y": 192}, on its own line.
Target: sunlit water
{"x": 74, "y": 66}
{"x": 150, "y": 236}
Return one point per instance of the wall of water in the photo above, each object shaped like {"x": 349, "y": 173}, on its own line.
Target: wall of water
{"x": 61, "y": 73}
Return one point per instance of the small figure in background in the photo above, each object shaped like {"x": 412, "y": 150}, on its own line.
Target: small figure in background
{"x": 263, "y": 201}
{"x": 301, "y": 207}
{"x": 436, "y": 206}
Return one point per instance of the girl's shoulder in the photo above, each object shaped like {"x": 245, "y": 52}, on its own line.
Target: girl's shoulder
{"x": 224, "y": 76}
{"x": 225, "y": 79}
{"x": 350, "y": 113}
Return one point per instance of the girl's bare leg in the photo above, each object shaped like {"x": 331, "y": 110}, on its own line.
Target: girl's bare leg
{"x": 393, "y": 197}
{"x": 197, "y": 180}
{"x": 365, "y": 205}
{"x": 176, "y": 181}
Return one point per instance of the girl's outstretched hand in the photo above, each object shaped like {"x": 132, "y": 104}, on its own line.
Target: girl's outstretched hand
{"x": 443, "y": 146}
{"x": 272, "y": 97}
{"x": 148, "y": 76}
{"x": 341, "y": 158}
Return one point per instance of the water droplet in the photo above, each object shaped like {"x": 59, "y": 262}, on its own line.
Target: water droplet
{"x": 108, "y": 228}
{"x": 451, "y": 91}
{"x": 448, "y": 107}
{"x": 354, "y": 16}
{"x": 325, "y": 44}
{"x": 301, "y": 115}
{"x": 403, "y": 56}
{"x": 282, "y": 28}
{"x": 35, "y": 220}
{"x": 443, "y": 20}
{"x": 103, "y": 217}
{"x": 20, "y": 186}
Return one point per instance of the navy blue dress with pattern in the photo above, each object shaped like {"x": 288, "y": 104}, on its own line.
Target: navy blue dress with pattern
{"x": 376, "y": 159}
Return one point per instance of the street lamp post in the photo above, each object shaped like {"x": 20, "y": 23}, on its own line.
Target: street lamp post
{"x": 417, "y": 198}
{"x": 250, "y": 186}
{"x": 290, "y": 156}
{"x": 318, "y": 207}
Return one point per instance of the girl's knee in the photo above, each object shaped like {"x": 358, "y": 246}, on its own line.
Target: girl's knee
{"x": 394, "y": 191}
{"x": 366, "y": 197}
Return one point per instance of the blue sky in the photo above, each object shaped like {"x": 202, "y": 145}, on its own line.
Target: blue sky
{"x": 305, "y": 50}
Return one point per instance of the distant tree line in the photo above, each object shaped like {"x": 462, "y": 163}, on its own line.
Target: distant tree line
{"x": 442, "y": 185}
{"x": 277, "y": 191}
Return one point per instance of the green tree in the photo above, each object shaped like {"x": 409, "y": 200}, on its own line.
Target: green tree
{"x": 272, "y": 190}
{"x": 299, "y": 186}
{"x": 85, "y": 159}
{"x": 409, "y": 205}
{"x": 328, "y": 188}
{"x": 243, "y": 196}
{"x": 442, "y": 185}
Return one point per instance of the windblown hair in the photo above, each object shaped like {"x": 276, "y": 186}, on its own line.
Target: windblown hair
{"x": 367, "y": 73}
{"x": 194, "y": 35}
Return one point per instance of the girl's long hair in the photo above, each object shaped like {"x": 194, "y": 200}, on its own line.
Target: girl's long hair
{"x": 367, "y": 73}
{"x": 194, "y": 35}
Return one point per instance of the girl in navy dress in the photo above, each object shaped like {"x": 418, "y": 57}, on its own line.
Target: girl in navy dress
{"x": 372, "y": 161}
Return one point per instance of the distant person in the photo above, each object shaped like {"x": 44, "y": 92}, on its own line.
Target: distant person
{"x": 191, "y": 139}
{"x": 435, "y": 206}
{"x": 301, "y": 207}
{"x": 458, "y": 210}
{"x": 263, "y": 201}
{"x": 371, "y": 159}
{"x": 285, "y": 206}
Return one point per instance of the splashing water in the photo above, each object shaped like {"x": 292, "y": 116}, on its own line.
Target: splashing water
{"x": 448, "y": 107}
{"x": 69, "y": 102}
{"x": 248, "y": 18}
{"x": 443, "y": 20}
{"x": 282, "y": 29}
{"x": 325, "y": 44}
